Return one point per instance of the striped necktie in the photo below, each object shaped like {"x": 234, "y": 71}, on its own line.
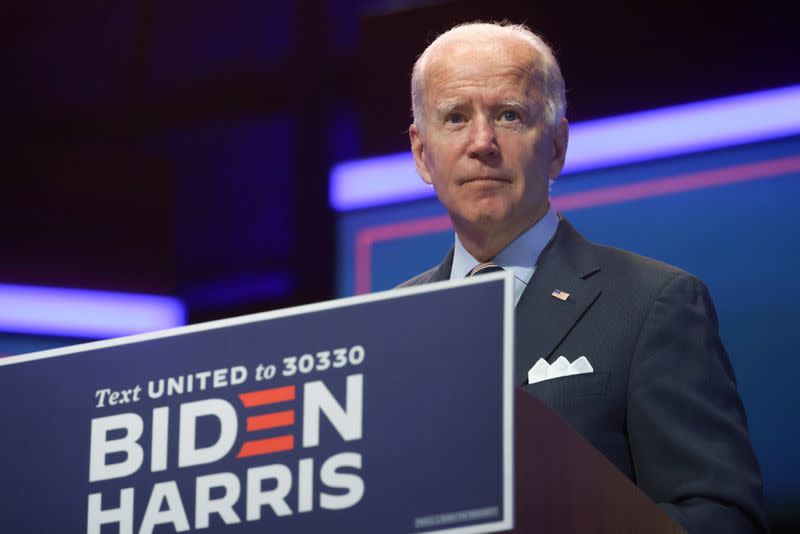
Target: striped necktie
{"x": 485, "y": 268}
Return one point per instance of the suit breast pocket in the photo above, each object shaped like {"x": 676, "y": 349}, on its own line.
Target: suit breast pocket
{"x": 566, "y": 388}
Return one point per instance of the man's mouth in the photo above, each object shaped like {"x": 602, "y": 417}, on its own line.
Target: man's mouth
{"x": 485, "y": 180}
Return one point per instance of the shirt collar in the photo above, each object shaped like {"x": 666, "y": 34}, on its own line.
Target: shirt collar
{"x": 519, "y": 257}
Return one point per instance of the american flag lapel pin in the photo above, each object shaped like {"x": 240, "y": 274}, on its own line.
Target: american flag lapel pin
{"x": 560, "y": 295}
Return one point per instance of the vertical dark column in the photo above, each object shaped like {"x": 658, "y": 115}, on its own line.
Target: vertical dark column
{"x": 311, "y": 68}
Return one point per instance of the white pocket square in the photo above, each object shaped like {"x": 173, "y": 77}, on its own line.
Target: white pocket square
{"x": 561, "y": 367}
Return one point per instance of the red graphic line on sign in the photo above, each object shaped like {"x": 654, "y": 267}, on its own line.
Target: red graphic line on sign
{"x": 267, "y": 396}
{"x": 266, "y": 446}
{"x": 270, "y": 420}
{"x": 368, "y": 237}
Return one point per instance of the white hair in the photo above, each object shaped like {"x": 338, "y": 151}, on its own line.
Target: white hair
{"x": 546, "y": 71}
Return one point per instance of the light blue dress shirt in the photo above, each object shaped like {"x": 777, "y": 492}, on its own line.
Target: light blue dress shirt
{"x": 520, "y": 256}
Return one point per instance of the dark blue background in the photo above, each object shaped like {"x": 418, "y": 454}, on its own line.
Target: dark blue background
{"x": 741, "y": 239}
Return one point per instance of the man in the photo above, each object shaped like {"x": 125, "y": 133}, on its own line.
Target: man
{"x": 489, "y": 134}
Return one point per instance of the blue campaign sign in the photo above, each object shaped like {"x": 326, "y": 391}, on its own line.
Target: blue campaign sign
{"x": 389, "y": 413}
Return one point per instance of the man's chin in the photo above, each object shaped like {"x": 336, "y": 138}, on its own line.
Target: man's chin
{"x": 487, "y": 220}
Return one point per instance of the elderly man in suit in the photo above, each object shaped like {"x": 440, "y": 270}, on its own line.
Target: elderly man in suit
{"x": 489, "y": 134}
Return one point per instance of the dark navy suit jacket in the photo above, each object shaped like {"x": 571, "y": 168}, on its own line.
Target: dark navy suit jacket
{"x": 662, "y": 402}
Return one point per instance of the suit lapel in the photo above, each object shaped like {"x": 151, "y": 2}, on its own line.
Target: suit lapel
{"x": 442, "y": 271}
{"x": 543, "y": 321}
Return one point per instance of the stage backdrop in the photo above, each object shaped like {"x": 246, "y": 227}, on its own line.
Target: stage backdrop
{"x": 728, "y": 216}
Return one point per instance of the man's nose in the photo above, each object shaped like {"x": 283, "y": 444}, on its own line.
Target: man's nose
{"x": 483, "y": 141}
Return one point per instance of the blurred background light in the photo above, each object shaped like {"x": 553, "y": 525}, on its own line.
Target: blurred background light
{"x": 84, "y": 313}
{"x": 599, "y": 143}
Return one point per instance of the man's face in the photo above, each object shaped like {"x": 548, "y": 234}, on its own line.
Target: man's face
{"x": 486, "y": 145}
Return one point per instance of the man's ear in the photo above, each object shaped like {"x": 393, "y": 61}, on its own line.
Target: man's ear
{"x": 560, "y": 142}
{"x": 418, "y": 149}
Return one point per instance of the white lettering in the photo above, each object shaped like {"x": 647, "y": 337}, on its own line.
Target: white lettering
{"x": 174, "y": 385}
{"x": 122, "y": 515}
{"x": 100, "y": 446}
{"x": 205, "y": 505}
{"x": 159, "y": 438}
{"x": 276, "y": 498}
{"x": 174, "y": 513}
{"x": 305, "y": 485}
{"x": 178, "y": 385}
{"x": 238, "y": 375}
{"x": 202, "y": 376}
{"x": 113, "y": 398}
{"x": 220, "y": 378}
{"x": 334, "y": 479}
{"x": 101, "y": 396}
{"x": 318, "y": 398}
{"x": 188, "y": 452}
{"x": 152, "y": 392}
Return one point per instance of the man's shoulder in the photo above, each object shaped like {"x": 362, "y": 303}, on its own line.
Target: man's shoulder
{"x": 627, "y": 262}
{"x": 622, "y": 268}
{"x": 436, "y": 273}
{"x": 629, "y": 277}
{"x": 422, "y": 278}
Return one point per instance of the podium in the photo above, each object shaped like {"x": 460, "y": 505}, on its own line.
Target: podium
{"x": 390, "y": 413}
{"x": 564, "y": 485}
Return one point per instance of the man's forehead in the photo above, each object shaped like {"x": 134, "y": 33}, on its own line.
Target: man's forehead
{"x": 500, "y": 69}
{"x": 507, "y": 47}
{"x": 512, "y": 100}
{"x": 461, "y": 54}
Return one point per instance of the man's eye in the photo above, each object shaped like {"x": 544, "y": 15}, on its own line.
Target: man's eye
{"x": 455, "y": 118}
{"x": 509, "y": 115}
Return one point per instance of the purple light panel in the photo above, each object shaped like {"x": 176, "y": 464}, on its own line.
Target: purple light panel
{"x": 84, "y": 313}
{"x": 599, "y": 143}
